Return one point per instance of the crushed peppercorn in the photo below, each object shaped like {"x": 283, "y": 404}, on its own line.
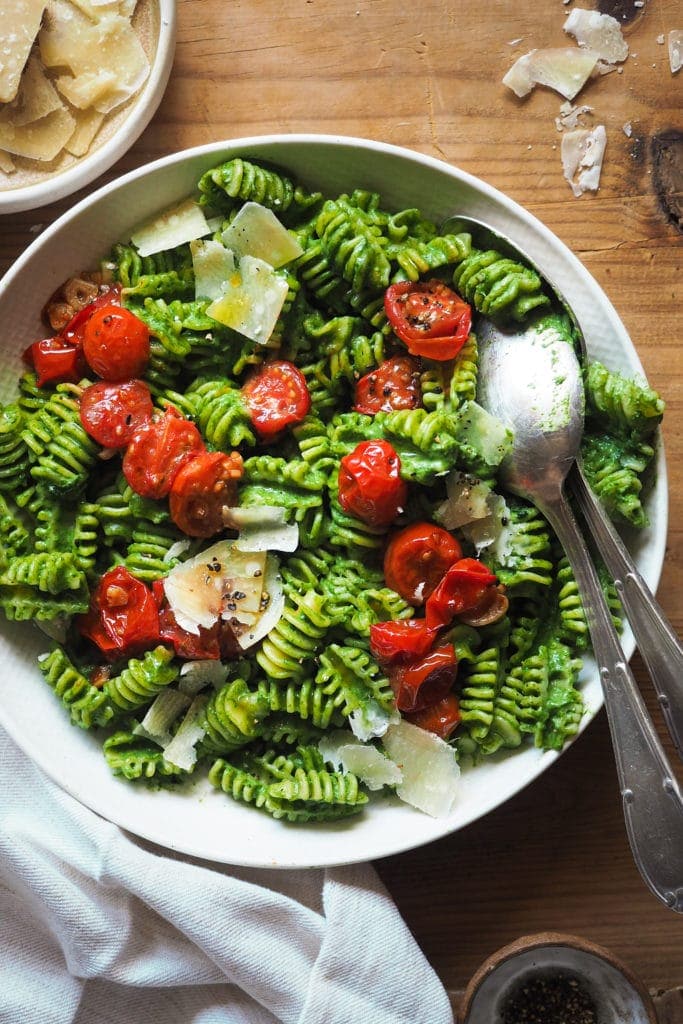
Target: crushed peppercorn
{"x": 557, "y": 998}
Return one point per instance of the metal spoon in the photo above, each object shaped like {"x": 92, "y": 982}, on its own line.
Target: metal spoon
{"x": 659, "y": 646}
{"x": 531, "y": 380}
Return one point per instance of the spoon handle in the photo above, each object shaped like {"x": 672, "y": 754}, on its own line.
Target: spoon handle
{"x": 658, "y": 644}
{"x": 651, "y": 797}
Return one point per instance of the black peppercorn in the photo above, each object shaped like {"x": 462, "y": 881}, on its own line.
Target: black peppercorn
{"x": 556, "y": 998}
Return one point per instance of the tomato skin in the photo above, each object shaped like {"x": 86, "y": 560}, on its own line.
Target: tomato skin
{"x": 441, "y": 718}
{"x": 370, "y": 485}
{"x": 217, "y": 642}
{"x": 116, "y": 343}
{"x": 394, "y": 384}
{"x": 276, "y": 396}
{"x": 202, "y": 488}
{"x": 417, "y": 557}
{"x": 112, "y": 413}
{"x": 429, "y": 318}
{"x": 55, "y": 361}
{"x": 463, "y": 587}
{"x": 75, "y": 329}
{"x": 400, "y": 640}
{"x": 423, "y": 682}
{"x": 156, "y": 452}
{"x": 123, "y": 617}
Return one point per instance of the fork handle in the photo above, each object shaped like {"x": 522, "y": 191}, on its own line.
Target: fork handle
{"x": 651, "y": 797}
{"x": 659, "y": 646}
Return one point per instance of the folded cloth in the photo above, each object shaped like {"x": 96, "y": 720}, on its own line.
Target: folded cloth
{"x": 99, "y": 927}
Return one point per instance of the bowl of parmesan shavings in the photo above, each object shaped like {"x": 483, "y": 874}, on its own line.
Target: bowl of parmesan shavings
{"x": 79, "y": 82}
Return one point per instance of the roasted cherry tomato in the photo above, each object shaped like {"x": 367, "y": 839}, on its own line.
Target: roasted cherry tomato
{"x": 416, "y": 559}
{"x": 55, "y": 361}
{"x": 395, "y": 384}
{"x": 425, "y": 681}
{"x": 112, "y": 413}
{"x": 156, "y": 452}
{"x": 277, "y": 396}
{"x": 401, "y": 640}
{"x": 116, "y": 343}
{"x": 123, "y": 617}
{"x": 370, "y": 485}
{"x": 429, "y": 317}
{"x": 74, "y": 330}
{"x": 463, "y": 587}
{"x": 441, "y": 718}
{"x": 217, "y": 642}
{"x": 202, "y": 489}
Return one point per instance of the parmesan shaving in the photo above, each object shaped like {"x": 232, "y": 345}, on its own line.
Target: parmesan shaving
{"x": 430, "y": 770}
{"x": 256, "y": 231}
{"x": 88, "y": 123}
{"x": 582, "y": 155}
{"x": 36, "y": 97}
{"x": 19, "y": 26}
{"x": 601, "y": 33}
{"x": 347, "y": 754}
{"x": 675, "y": 41}
{"x": 571, "y": 117}
{"x": 184, "y": 222}
{"x": 253, "y": 299}
{"x": 42, "y": 140}
{"x": 566, "y": 70}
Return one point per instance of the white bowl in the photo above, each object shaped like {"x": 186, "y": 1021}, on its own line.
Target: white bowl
{"x": 202, "y": 822}
{"x": 126, "y": 125}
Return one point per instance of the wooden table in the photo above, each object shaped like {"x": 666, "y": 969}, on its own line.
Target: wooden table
{"x": 428, "y": 76}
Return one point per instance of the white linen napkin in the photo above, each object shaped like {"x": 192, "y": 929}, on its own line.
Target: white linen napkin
{"x": 99, "y": 927}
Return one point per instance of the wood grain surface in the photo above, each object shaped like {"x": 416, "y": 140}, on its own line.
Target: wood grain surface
{"x": 428, "y": 76}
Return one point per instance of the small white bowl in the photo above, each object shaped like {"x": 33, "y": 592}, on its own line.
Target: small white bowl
{"x": 133, "y": 121}
{"x": 619, "y": 996}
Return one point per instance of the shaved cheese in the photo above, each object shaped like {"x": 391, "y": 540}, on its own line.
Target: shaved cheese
{"x": 599, "y": 32}
{"x": 213, "y": 264}
{"x": 72, "y": 40}
{"x": 88, "y": 123}
{"x": 87, "y": 89}
{"x": 256, "y": 231}
{"x": 371, "y": 719}
{"x": 7, "y": 165}
{"x": 195, "y": 675}
{"x": 430, "y": 770}
{"x": 371, "y": 766}
{"x": 161, "y": 715}
{"x": 36, "y": 98}
{"x": 19, "y": 26}
{"x": 262, "y": 528}
{"x": 181, "y": 750}
{"x": 566, "y": 70}
{"x": 273, "y": 603}
{"x": 253, "y": 300}
{"x": 218, "y": 582}
{"x": 184, "y": 222}
{"x": 571, "y": 117}
{"x": 472, "y": 507}
{"x": 582, "y": 155}
{"x": 675, "y": 42}
{"x": 42, "y": 140}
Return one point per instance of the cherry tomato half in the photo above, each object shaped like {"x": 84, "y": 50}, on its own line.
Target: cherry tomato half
{"x": 370, "y": 485}
{"x": 75, "y": 329}
{"x": 156, "y": 452}
{"x": 424, "y": 682}
{"x": 202, "y": 488}
{"x": 463, "y": 587}
{"x": 55, "y": 361}
{"x": 212, "y": 643}
{"x": 123, "y": 617}
{"x": 276, "y": 396}
{"x": 429, "y": 317}
{"x": 116, "y": 343}
{"x": 441, "y": 718}
{"x": 395, "y": 384}
{"x": 112, "y": 413}
{"x": 416, "y": 559}
{"x": 400, "y": 640}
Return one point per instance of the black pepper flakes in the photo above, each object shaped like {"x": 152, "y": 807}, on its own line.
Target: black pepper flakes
{"x": 558, "y": 998}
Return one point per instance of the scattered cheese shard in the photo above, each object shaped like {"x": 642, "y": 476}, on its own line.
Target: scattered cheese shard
{"x": 85, "y": 90}
{"x": 182, "y": 223}
{"x": 181, "y": 750}
{"x": 19, "y": 26}
{"x": 256, "y": 231}
{"x": 88, "y": 123}
{"x": 675, "y": 41}
{"x": 599, "y": 32}
{"x": 36, "y": 98}
{"x": 42, "y": 140}
{"x": 582, "y": 155}
{"x": 7, "y": 165}
{"x": 430, "y": 770}
{"x": 566, "y": 70}
{"x": 571, "y": 116}
{"x": 346, "y": 753}
{"x": 253, "y": 300}
{"x": 195, "y": 675}
{"x": 262, "y": 528}
{"x": 213, "y": 265}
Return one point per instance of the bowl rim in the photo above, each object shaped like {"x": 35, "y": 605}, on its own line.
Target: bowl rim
{"x": 546, "y": 940}
{"x": 90, "y": 166}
